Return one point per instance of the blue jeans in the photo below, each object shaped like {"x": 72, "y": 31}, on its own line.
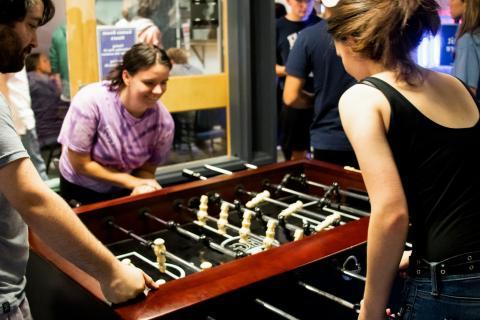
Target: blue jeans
{"x": 458, "y": 298}
{"x": 22, "y": 312}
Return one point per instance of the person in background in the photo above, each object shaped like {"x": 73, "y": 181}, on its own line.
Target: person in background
{"x": 416, "y": 135}
{"x": 147, "y": 30}
{"x": 25, "y": 199}
{"x": 280, "y": 10}
{"x": 293, "y": 123}
{"x": 117, "y": 132}
{"x": 184, "y": 121}
{"x": 314, "y": 52}
{"x": 467, "y": 48}
{"x": 59, "y": 59}
{"x": 180, "y": 65}
{"x": 48, "y": 107}
{"x": 14, "y": 87}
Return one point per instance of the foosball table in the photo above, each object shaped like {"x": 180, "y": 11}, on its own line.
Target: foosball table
{"x": 284, "y": 241}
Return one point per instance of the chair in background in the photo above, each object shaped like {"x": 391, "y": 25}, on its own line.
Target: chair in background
{"x": 210, "y": 125}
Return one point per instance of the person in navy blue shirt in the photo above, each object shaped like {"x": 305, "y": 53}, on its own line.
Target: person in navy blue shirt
{"x": 314, "y": 52}
{"x": 294, "y": 123}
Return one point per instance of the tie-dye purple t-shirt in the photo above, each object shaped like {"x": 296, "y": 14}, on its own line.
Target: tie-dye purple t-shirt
{"x": 98, "y": 123}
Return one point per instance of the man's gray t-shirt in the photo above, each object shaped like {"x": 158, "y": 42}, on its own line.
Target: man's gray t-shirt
{"x": 13, "y": 230}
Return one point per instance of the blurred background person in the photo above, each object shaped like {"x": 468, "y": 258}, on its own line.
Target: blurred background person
{"x": 14, "y": 87}
{"x": 280, "y": 10}
{"x": 293, "y": 123}
{"x": 180, "y": 64}
{"x": 314, "y": 53}
{"x": 49, "y": 109}
{"x": 59, "y": 59}
{"x": 467, "y": 48}
{"x": 147, "y": 31}
{"x": 184, "y": 121}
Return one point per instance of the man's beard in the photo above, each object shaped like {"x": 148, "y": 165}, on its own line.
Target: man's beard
{"x": 12, "y": 54}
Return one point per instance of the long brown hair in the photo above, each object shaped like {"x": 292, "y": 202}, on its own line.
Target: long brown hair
{"x": 386, "y": 31}
{"x": 470, "y": 18}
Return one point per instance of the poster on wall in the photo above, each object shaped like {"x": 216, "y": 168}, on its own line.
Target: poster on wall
{"x": 113, "y": 42}
{"x": 448, "y": 38}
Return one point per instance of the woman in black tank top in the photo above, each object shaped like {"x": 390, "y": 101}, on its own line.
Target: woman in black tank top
{"x": 416, "y": 135}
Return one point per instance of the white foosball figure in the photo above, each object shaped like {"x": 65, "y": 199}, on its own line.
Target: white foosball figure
{"x": 298, "y": 235}
{"x": 127, "y": 262}
{"x": 292, "y": 208}
{"x": 259, "y": 198}
{"x": 245, "y": 229}
{"x": 160, "y": 253}
{"x": 329, "y": 220}
{"x": 270, "y": 234}
{"x": 202, "y": 213}
{"x": 206, "y": 265}
{"x": 223, "y": 218}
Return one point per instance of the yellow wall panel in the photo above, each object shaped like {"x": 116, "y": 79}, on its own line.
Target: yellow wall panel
{"x": 196, "y": 92}
{"x": 81, "y": 43}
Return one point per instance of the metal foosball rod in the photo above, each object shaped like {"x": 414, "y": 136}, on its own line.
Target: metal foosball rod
{"x": 151, "y": 244}
{"x": 352, "y": 273}
{"x": 299, "y": 213}
{"x": 307, "y": 213}
{"x": 218, "y": 169}
{"x": 354, "y": 306}
{"x": 237, "y": 205}
{"x": 268, "y": 221}
{"x": 275, "y": 310}
{"x": 298, "y": 232}
{"x": 250, "y": 166}
{"x": 231, "y": 226}
{"x": 324, "y": 202}
{"x": 303, "y": 179}
{"x": 172, "y": 225}
{"x": 192, "y": 174}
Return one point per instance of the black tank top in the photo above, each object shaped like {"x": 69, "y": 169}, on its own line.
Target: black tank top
{"x": 439, "y": 170}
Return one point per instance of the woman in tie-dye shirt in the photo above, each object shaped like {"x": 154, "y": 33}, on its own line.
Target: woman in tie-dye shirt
{"x": 117, "y": 132}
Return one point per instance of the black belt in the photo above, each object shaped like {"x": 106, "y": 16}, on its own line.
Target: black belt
{"x": 466, "y": 263}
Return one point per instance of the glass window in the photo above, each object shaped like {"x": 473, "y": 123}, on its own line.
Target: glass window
{"x": 191, "y": 31}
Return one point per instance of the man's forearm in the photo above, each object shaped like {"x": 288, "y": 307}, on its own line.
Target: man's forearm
{"x": 56, "y": 224}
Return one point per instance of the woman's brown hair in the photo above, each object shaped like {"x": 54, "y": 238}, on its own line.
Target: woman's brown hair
{"x": 139, "y": 57}
{"x": 386, "y": 31}
{"x": 470, "y": 18}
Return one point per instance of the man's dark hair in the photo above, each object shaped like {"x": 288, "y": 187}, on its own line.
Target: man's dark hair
{"x": 15, "y": 10}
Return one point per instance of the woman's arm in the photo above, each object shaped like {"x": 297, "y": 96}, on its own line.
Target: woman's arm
{"x": 83, "y": 164}
{"x": 147, "y": 171}
{"x": 365, "y": 112}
